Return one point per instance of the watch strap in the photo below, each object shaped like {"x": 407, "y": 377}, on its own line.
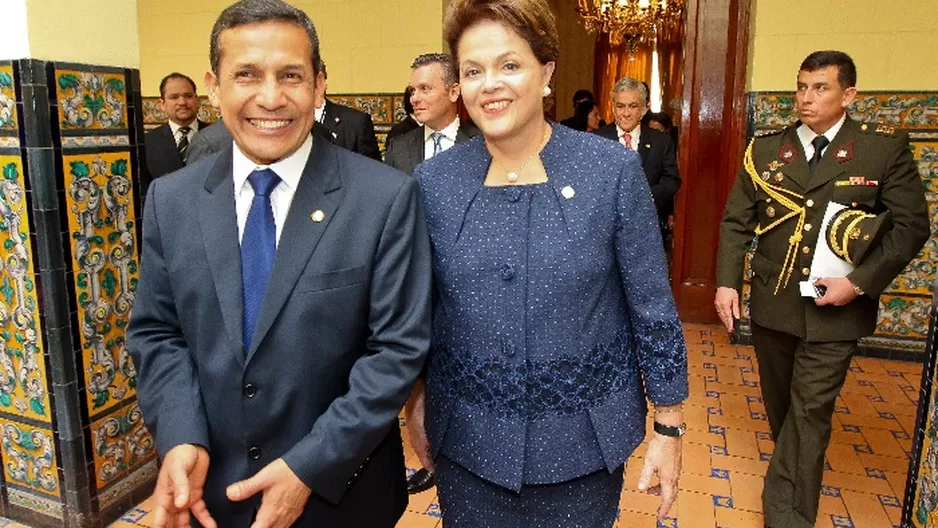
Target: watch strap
{"x": 670, "y": 430}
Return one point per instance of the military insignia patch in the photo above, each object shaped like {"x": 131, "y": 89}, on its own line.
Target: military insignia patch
{"x": 844, "y": 152}
{"x": 787, "y": 153}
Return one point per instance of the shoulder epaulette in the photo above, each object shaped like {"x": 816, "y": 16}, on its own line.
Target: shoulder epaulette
{"x": 769, "y": 132}
{"x": 878, "y": 128}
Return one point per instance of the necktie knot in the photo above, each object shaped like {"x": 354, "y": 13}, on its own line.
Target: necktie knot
{"x": 184, "y": 130}
{"x": 263, "y": 181}
{"x": 820, "y": 142}
{"x": 437, "y": 138}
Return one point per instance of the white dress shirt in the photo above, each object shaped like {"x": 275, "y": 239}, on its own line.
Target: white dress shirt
{"x": 289, "y": 169}
{"x": 447, "y": 141}
{"x": 317, "y": 114}
{"x": 635, "y": 133}
{"x": 806, "y": 135}
{"x": 177, "y": 135}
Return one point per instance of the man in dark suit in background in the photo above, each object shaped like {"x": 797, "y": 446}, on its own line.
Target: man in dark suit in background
{"x": 351, "y": 128}
{"x": 283, "y": 308}
{"x": 167, "y": 145}
{"x": 435, "y": 94}
{"x": 659, "y": 159}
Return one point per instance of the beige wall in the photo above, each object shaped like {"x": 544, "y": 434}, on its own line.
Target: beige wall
{"x": 368, "y": 45}
{"x": 893, "y": 43}
{"x": 99, "y": 32}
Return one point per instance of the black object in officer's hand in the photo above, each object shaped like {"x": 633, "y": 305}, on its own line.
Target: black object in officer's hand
{"x": 820, "y": 290}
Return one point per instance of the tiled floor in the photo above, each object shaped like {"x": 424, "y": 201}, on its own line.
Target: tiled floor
{"x": 727, "y": 447}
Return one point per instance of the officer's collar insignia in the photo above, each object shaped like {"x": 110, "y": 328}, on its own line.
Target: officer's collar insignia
{"x": 787, "y": 153}
{"x": 774, "y": 165}
{"x": 844, "y": 152}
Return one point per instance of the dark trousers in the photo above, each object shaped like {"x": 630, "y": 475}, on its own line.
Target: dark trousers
{"x": 800, "y": 382}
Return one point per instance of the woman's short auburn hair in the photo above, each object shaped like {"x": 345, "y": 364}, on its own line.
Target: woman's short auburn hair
{"x": 532, "y": 20}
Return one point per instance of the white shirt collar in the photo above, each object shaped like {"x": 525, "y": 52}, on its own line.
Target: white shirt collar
{"x": 635, "y": 132}
{"x": 289, "y": 169}
{"x": 174, "y": 127}
{"x": 317, "y": 114}
{"x": 449, "y": 131}
{"x": 806, "y": 135}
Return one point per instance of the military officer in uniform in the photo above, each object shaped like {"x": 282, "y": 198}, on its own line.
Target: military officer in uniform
{"x": 777, "y": 204}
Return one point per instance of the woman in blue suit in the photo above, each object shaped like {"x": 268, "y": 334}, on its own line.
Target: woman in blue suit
{"x": 554, "y": 319}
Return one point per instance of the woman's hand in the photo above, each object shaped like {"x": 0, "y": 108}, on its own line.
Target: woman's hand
{"x": 413, "y": 413}
{"x": 663, "y": 457}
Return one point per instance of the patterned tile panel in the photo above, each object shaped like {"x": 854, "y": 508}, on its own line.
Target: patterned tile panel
{"x": 378, "y": 106}
{"x": 50, "y": 507}
{"x": 23, "y": 386}
{"x": 921, "y": 497}
{"x": 903, "y": 314}
{"x": 121, "y": 444}
{"x": 29, "y": 457}
{"x": 101, "y": 219}
{"x": 7, "y": 98}
{"x": 91, "y": 100}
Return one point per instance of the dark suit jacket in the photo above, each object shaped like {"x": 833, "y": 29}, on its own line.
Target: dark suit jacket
{"x": 407, "y": 151}
{"x": 352, "y": 129}
{"x": 877, "y": 154}
{"x": 659, "y": 161}
{"x": 606, "y": 340}
{"x": 162, "y": 155}
{"x": 216, "y": 137}
{"x": 399, "y": 129}
{"x": 342, "y": 334}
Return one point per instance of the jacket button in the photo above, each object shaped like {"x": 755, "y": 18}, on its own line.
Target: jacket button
{"x": 250, "y": 390}
{"x": 806, "y": 250}
{"x": 805, "y": 271}
{"x": 508, "y": 272}
{"x": 809, "y": 203}
{"x": 807, "y": 227}
{"x": 254, "y": 453}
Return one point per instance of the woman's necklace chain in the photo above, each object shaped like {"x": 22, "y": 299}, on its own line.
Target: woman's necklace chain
{"x": 513, "y": 175}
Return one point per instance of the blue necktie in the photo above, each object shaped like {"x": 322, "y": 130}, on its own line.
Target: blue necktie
{"x": 437, "y": 137}
{"x": 258, "y": 245}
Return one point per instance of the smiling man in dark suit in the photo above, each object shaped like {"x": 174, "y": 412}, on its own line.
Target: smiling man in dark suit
{"x": 659, "y": 159}
{"x": 283, "y": 308}
{"x": 167, "y": 145}
{"x": 434, "y": 97}
{"x": 351, "y": 129}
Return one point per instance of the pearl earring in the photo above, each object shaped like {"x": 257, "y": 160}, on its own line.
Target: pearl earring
{"x": 547, "y": 91}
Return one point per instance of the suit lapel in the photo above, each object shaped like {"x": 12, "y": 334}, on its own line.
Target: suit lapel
{"x": 644, "y": 143}
{"x": 830, "y": 166}
{"x": 316, "y": 191}
{"x": 219, "y": 225}
{"x": 415, "y": 150}
{"x": 170, "y": 142}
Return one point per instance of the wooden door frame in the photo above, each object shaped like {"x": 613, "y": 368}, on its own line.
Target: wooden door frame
{"x": 712, "y": 140}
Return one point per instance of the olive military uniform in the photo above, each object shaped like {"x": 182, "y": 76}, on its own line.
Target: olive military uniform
{"x": 804, "y": 350}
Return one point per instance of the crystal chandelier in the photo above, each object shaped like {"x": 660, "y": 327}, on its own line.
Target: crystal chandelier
{"x": 629, "y": 21}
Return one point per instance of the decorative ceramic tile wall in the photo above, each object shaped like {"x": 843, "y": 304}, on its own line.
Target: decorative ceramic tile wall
{"x": 920, "y": 507}
{"x": 904, "y": 305}
{"x": 72, "y": 439}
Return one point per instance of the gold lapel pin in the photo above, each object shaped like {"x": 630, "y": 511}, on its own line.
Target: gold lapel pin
{"x": 647, "y": 145}
{"x": 318, "y": 216}
{"x": 568, "y": 192}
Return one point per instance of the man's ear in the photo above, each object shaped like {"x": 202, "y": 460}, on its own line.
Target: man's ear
{"x": 454, "y": 92}
{"x": 211, "y": 88}
{"x": 849, "y": 95}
